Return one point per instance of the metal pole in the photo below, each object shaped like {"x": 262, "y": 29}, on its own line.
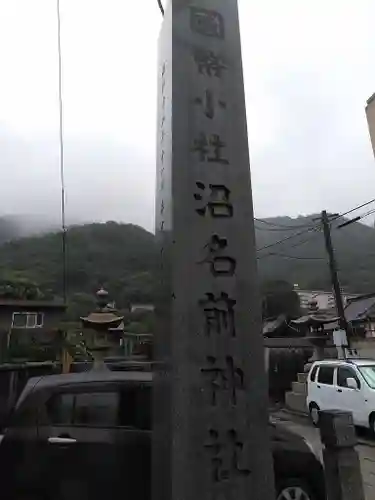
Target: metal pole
{"x": 333, "y": 272}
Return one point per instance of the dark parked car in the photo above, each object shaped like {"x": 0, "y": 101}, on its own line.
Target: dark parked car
{"x": 88, "y": 436}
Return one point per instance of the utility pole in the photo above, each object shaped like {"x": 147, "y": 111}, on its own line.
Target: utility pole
{"x": 333, "y": 271}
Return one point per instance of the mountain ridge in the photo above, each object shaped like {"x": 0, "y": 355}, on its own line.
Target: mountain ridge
{"x": 123, "y": 258}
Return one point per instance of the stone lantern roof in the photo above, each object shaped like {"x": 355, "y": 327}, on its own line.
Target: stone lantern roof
{"x": 105, "y": 315}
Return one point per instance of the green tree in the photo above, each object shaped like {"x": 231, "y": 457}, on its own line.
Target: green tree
{"x": 279, "y": 297}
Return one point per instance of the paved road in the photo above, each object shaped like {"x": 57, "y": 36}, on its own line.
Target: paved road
{"x": 366, "y": 448}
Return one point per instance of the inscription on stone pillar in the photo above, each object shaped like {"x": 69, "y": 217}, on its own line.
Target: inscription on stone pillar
{"x": 210, "y": 404}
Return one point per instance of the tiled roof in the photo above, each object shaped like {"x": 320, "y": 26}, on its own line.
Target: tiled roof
{"x": 360, "y": 309}
{"x": 272, "y": 325}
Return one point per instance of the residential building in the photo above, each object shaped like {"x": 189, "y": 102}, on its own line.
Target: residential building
{"x": 324, "y": 300}
{"x": 360, "y": 313}
{"x": 370, "y": 114}
{"x": 26, "y": 322}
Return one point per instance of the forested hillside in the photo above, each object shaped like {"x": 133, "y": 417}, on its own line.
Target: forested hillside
{"x": 122, "y": 257}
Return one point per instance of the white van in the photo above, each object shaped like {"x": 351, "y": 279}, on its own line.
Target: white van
{"x": 347, "y": 385}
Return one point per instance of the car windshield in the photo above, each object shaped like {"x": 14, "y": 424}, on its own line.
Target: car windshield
{"x": 368, "y": 373}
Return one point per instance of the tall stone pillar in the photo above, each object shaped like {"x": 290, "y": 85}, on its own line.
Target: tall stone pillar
{"x": 210, "y": 397}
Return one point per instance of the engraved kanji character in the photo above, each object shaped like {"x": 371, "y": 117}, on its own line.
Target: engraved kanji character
{"x": 220, "y": 265}
{"x": 204, "y": 145}
{"x": 209, "y": 63}
{"x": 218, "y": 203}
{"x": 225, "y": 450}
{"x": 207, "y": 22}
{"x": 219, "y": 314}
{"x": 208, "y": 103}
{"x": 224, "y": 378}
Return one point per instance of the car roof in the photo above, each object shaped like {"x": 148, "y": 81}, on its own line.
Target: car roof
{"x": 348, "y": 361}
{"x": 92, "y": 376}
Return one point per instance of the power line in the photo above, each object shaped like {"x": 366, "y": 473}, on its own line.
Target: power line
{"x": 61, "y": 142}
{"x": 370, "y": 212}
{"x": 315, "y": 227}
{"x": 275, "y": 254}
{"x": 354, "y": 209}
{"x": 281, "y": 226}
{"x": 288, "y": 238}
{"x": 279, "y": 229}
{"x": 161, "y": 7}
{"x": 299, "y": 243}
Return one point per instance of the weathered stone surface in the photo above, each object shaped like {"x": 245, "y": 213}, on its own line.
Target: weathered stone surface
{"x": 341, "y": 462}
{"x": 210, "y": 431}
{"x": 337, "y": 429}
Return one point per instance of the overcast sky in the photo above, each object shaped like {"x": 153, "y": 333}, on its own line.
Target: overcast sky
{"x": 309, "y": 68}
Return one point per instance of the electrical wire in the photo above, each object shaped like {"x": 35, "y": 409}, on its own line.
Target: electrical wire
{"x": 289, "y": 238}
{"x": 279, "y": 229}
{"x": 61, "y": 143}
{"x": 299, "y": 243}
{"x": 354, "y": 209}
{"x": 370, "y": 212}
{"x": 281, "y": 226}
{"x": 161, "y": 7}
{"x": 276, "y": 254}
{"x": 314, "y": 228}
{"x": 289, "y": 256}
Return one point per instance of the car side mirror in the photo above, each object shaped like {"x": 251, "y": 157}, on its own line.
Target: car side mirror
{"x": 351, "y": 383}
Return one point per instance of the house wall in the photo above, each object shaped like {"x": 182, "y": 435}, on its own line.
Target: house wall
{"x": 365, "y": 347}
{"x": 16, "y": 338}
{"x": 52, "y": 316}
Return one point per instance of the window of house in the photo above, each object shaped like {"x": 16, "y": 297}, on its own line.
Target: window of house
{"x": 343, "y": 374}
{"x": 27, "y": 320}
{"x": 325, "y": 375}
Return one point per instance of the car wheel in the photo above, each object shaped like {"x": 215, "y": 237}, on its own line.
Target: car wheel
{"x": 294, "y": 489}
{"x": 314, "y": 413}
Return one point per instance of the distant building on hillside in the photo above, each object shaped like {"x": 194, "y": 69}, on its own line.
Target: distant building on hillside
{"x": 323, "y": 299}
{"x": 26, "y": 323}
{"x": 370, "y": 114}
{"x": 142, "y": 308}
